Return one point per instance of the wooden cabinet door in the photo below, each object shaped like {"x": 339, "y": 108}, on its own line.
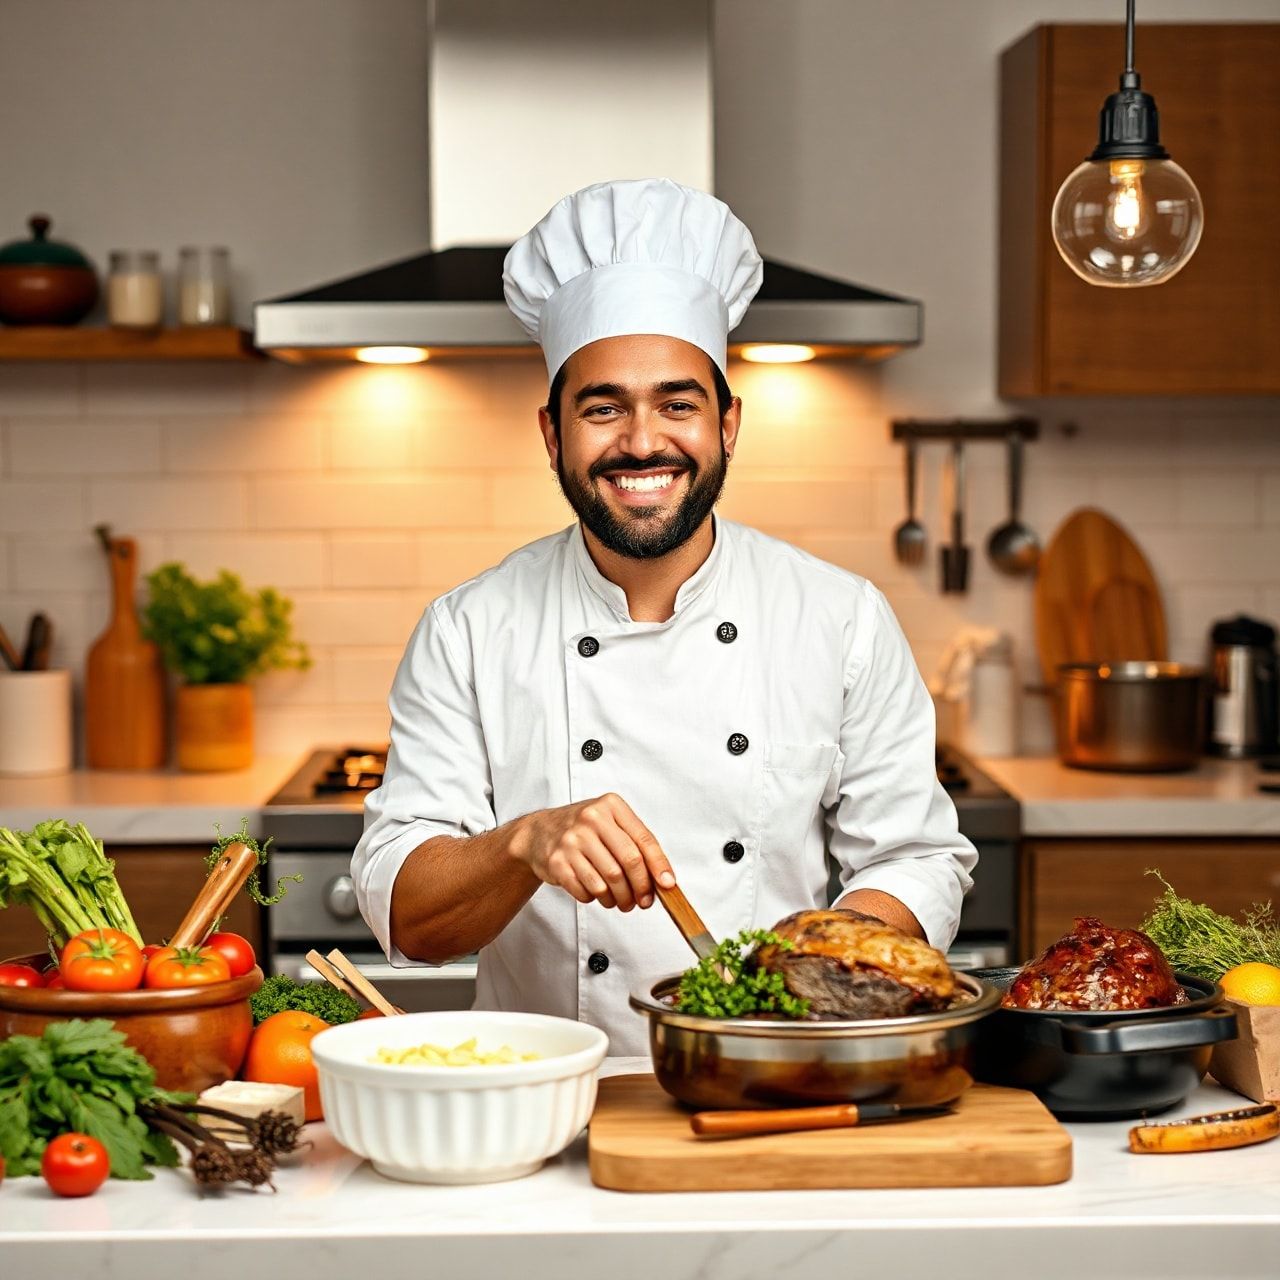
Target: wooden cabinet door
{"x": 1214, "y": 329}
{"x": 158, "y": 883}
{"x": 1063, "y": 879}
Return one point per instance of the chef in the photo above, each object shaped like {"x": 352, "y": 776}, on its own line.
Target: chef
{"x": 653, "y": 694}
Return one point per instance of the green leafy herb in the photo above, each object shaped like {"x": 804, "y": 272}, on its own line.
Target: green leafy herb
{"x": 253, "y": 885}
{"x": 219, "y": 632}
{"x": 82, "y": 1077}
{"x": 280, "y": 992}
{"x": 753, "y": 990}
{"x": 63, "y": 875}
{"x": 1197, "y": 939}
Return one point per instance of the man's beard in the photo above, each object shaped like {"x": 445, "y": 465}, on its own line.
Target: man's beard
{"x": 645, "y": 533}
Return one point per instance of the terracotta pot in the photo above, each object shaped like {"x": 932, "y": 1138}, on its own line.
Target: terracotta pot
{"x": 44, "y": 282}
{"x": 214, "y": 727}
{"x": 194, "y": 1038}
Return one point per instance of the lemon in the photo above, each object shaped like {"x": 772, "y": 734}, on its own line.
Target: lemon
{"x": 1253, "y": 983}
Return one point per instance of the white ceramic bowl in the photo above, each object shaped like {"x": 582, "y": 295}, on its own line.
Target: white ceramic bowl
{"x": 459, "y": 1124}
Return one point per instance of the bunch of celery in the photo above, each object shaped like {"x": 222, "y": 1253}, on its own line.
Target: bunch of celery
{"x": 62, "y": 874}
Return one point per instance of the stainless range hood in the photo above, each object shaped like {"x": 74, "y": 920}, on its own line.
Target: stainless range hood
{"x": 527, "y": 103}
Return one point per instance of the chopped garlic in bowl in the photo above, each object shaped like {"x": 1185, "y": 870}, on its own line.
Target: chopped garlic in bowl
{"x": 462, "y": 1055}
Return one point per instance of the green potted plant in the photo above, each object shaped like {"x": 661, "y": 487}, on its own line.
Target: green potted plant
{"x": 215, "y": 636}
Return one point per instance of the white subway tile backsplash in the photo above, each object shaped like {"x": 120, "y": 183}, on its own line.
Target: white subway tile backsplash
{"x": 43, "y": 506}
{"x": 284, "y": 560}
{"x": 382, "y": 502}
{"x": 158, "y": 389}
{"x": 373, "y": 560}
{"x": 169, "y": 503}
{"x": 52, "y": 390}
{"x": 82, "y": 446}
{"x": 363, "y": 493}
{"x": 357, "y": 617}
{"x": 1217, "y": 498}
{"x": 244, "y": 444}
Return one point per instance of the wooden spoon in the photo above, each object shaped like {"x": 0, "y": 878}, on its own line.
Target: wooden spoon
{"x": 225, "y": 880}
{"x": 689, "y": 922}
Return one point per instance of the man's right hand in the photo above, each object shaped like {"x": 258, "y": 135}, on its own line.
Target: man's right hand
{"x": 597, "y": 850}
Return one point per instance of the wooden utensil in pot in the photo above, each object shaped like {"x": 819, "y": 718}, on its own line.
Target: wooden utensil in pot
{"x": 223, "y": 883}
{"x": 339, "y": 972}
{"x": 689, "y": 922}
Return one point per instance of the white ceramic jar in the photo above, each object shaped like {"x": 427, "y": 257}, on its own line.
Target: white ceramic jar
{"x": 35, "y": 723}
{"x": 135, "y": 289}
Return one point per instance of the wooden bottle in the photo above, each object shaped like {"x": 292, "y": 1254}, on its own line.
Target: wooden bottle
{"x": 124, "y": 683}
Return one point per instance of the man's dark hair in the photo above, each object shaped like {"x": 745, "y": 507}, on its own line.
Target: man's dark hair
{"x": 724, "y": 397}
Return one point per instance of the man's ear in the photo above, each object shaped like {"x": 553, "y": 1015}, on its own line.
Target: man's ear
{"x": 550, "y": 436}
{"x": 729, "y": 425}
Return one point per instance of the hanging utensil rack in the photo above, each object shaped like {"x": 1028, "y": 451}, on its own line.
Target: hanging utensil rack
{"x": 966, "y": 430}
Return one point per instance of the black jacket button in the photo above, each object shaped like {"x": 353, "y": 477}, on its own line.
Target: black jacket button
{"x": 737, "y": 744}
{"x": 597, "y": 962}
{"x": 588, "y": 646}
{"x": 592, "y": 750}
{"x": 726, "y": 633}
{"x": 733, "y": 851}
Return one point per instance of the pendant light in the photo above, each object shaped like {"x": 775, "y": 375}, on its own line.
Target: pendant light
{"x": 1128, "y": 216}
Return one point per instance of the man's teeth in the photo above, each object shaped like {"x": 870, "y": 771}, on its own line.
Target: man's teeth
{"x": 642, "y": 484}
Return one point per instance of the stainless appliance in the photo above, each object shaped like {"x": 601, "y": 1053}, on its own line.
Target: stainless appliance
{"x": 316, "y": 818}
{"x": 1130, "y": 717}
{"x": 1243, "y": 711}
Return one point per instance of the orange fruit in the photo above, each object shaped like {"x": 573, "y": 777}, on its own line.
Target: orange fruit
{"x": 280, "y": 1053}
{"x": 1252, "y": 983}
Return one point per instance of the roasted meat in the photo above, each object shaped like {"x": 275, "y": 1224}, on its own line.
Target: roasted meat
{"x": 849, "y": 965}
{"x": 1095, "y": 967}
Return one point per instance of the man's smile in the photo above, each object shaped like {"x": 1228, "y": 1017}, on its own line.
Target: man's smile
{"x": 643, "y": 488}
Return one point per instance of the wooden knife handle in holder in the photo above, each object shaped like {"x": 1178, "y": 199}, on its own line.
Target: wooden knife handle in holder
{"x": 212, "y": 902}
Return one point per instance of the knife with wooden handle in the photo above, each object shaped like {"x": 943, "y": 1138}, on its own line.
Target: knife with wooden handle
{"x": 740, "y": 1124}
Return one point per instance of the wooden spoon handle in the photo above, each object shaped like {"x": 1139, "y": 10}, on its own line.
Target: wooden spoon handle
{"x": 724, "y": 1124}
{"x": 362, "y": 984}
{"x": 224, "y": 882}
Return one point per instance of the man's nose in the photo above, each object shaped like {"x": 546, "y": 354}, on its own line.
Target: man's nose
{"x": 644, "y": 433}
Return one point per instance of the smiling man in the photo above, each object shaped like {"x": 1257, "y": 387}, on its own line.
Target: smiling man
{"x": 653, "y": 694}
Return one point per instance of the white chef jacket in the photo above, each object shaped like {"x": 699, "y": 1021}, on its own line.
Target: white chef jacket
{"x": 776, "y": 716}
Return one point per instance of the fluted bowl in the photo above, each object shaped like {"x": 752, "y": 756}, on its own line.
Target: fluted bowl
{"x": 459, "y": 1124}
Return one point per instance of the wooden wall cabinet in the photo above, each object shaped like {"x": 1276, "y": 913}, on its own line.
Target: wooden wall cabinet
{"x": 1214, "y": 329}
{"x": 1062, "y": 879}
{"x": 159, "y": 884}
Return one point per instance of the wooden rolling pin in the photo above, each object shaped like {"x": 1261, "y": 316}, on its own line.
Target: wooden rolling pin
{"x": 212, "y": 902}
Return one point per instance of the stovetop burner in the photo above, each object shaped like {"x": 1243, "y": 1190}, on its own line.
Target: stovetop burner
{"x": 356, "y": 769}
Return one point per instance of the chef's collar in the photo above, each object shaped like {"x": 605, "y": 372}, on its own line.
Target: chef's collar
{"x": 615, "y": 598}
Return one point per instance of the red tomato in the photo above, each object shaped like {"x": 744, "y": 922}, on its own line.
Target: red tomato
{"x": 368, "y": 1013}
{"x": 186, "y": 967}
{"x": 19, "y": 975}
{"x": 74, "y": 1164}
{"x": 54, "y": 981}
{"x": 101, "y": 960}
{"x": 150, "y": 949}
{"x": 234, "y": 949}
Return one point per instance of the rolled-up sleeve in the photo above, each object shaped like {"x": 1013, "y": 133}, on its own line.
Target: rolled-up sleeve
{"x": 437, "y": 780}
{"x": 893, "y": 827}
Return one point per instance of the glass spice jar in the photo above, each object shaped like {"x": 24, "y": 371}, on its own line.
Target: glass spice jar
{"x": 135, "y": 290}
{"x": 204, "y": 291}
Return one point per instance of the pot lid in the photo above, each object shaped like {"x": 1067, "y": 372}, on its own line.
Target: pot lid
{"x": 40, "y": 252}
{"x": 1246, "y": 631}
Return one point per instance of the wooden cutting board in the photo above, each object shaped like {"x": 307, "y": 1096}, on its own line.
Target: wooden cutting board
{"x": 1096, "y": 597}
{"x": 640, "y": 1141}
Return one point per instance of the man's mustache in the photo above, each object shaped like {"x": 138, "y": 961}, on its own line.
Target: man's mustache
{"x": 655, "y": 462}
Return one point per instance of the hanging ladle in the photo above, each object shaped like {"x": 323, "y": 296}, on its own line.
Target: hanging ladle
{"x": 1013, "y": 547}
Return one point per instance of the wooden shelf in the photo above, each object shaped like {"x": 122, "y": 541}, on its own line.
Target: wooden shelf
{"x": 70, "y": 342}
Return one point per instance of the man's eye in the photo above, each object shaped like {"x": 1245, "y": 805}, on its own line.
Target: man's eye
{"x": 681, "y": 406}
{"x": 601, "y": 410}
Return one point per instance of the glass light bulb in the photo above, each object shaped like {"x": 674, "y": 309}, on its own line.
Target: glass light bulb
{"x": 1127, "y": 222}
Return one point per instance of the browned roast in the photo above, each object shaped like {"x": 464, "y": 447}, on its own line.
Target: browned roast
{"x": 849, "y": 965}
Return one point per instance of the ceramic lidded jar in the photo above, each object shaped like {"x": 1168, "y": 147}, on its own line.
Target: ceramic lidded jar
{"x": 43, "y": 281}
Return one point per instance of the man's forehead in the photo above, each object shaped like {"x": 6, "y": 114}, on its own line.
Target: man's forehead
{"x": 637, "y": 362}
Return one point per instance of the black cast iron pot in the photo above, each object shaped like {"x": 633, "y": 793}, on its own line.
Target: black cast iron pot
{"x": 1105, "y": 1065}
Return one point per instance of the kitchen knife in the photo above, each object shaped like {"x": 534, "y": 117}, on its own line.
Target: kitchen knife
{"x": 35, "y": 652}
{"x": 955, "y": 555}
{"x": 741, "y": 1124}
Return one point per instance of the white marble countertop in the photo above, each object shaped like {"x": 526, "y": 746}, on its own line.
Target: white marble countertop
{"x": 147, "y": 806}
{"x": 1213, "y": 1214}
{"x": 1219, "y": 798}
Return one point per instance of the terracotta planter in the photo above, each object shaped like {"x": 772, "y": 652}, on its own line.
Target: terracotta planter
{"x": 194, "y": 1038}
{"x": 214, "y": 727}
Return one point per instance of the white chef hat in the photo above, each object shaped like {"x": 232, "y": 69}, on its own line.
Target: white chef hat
{"x": 646, "y": 256}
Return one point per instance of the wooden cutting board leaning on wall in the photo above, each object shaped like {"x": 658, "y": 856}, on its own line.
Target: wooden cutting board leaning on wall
{"x": 1096, "y": 597}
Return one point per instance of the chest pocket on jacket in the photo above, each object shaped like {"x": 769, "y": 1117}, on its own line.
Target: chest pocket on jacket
{"x": 798, "y": 779}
